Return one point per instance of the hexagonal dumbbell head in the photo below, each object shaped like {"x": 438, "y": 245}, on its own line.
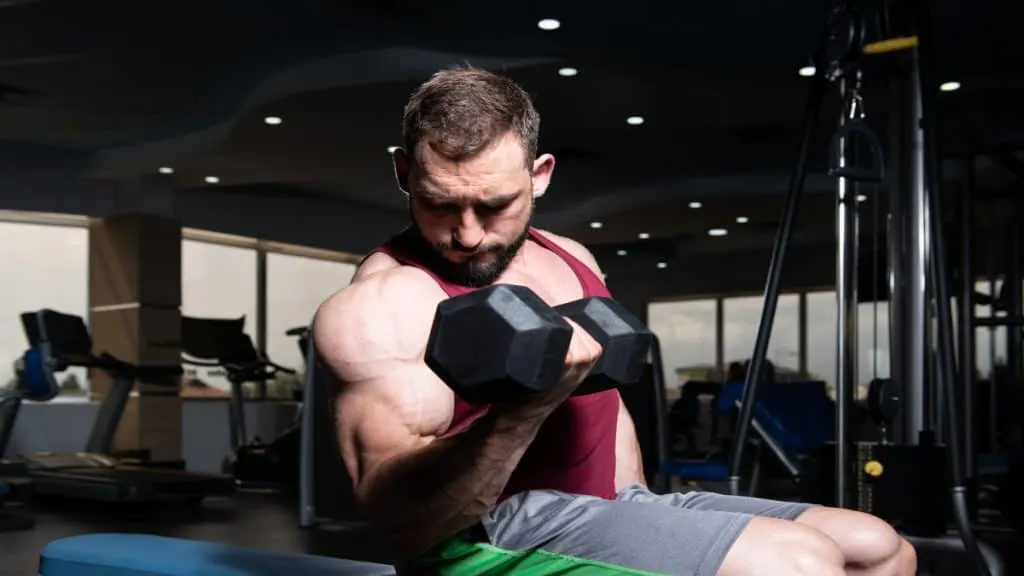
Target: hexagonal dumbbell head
{"x": 625, "y": 341}
{"x": 498, "y": 343}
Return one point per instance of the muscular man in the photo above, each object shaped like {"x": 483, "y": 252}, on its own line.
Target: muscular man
{"x": 549, "y": 484}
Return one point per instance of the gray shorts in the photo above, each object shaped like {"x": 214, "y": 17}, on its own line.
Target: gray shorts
{"x": 641, "y": 532}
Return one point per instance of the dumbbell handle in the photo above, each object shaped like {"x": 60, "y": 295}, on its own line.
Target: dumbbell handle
{"x": 624, "y": 339}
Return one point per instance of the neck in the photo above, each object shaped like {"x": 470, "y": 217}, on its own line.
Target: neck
{"x": 524, "y": 254}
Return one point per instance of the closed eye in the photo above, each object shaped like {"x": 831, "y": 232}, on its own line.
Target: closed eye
{"x": 493, "y": 208}
{"x": 438, "y": 206}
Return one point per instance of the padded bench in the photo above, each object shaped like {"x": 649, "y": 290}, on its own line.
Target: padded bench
{"x": 144, "y": 555}
{"x": 696, "y": 470}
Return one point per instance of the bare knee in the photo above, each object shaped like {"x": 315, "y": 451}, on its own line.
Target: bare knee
{"x": 769, "y": 547}
{"x": 905, "y": 563}
{"x": 810, "y": 552}
{"x": 871, "y": 542}
{"x": 866, "y": 542}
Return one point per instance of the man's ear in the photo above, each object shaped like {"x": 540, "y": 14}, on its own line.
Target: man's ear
{"x": 401, "y": 161}
{"x": 543, "y": 167}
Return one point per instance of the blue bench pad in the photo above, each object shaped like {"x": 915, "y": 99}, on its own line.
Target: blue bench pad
{"x": 138, "y": 554}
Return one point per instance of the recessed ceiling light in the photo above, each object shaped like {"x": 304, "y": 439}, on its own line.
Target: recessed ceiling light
{"x": 212, "y": 179}
{"x": 166, "y": 170}
{"x": 806, "y": 71}
{"x": 620, "y": 253}
{"x": 643, "y": 235}
{"x": 391, "y": 149}
{"x": 662, "y": 265}
{"x": 861, "y": 198}
{"x": 742, "y": 219}
{"x": 695, "y": 205}
{"x": 596, "y": 225}
{"x": 568, "y": 71}
{"x": 272, "y": 120}
{"x": 549, "y": 24}
{"x": 635, "y": 120}
{"x": 717, "y": 232}
{"x": 949, "y": 86}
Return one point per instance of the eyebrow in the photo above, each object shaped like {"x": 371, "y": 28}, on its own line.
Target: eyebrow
{"x": 434, "y": 196}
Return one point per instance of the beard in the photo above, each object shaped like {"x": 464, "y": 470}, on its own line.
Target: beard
{"x": 480, "y": 267}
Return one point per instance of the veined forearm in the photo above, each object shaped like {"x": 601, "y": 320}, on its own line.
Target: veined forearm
{"x": 425, "y": 496}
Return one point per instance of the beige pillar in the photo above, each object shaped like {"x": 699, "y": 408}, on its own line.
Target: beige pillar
{"x": 135, "y": 315}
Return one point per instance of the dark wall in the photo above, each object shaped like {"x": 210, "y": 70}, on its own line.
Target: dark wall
{"x": 29, "y": 183}
{"x": 637, "y": 283}
{"x": 56, "y": 185}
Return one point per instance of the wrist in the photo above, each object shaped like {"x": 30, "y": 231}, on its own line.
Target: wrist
{"x": 516, "y": 418}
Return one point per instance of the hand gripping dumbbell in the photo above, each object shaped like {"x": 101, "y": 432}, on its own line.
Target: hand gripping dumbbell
{"x": 624, "y": 339}
{"x": 503, "y": 341}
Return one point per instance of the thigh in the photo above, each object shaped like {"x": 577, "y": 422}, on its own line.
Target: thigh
{"x": 611, "y": 537}
{"x": 710, "y": 501}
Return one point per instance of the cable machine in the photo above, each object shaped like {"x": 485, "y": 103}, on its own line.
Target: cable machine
{"x": 923, "y": 363}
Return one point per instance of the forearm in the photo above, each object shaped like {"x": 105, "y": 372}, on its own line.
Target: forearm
{"x": 425, "y": 496}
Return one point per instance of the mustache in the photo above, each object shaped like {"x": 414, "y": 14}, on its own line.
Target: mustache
{"x": 460, "y": 249}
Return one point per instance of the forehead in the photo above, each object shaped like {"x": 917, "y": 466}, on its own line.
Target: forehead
{"x": 500, "y": 165}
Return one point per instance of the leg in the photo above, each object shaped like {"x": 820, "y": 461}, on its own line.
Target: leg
{"x": 871, "y": 547}
{"x": 607, "y": 537}
{"x": 771, "y": 535}
{"x": 787, "y": 547}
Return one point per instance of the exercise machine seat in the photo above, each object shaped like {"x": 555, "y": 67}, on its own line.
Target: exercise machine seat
{"x": 139, "y": 554}
{"x": 696, "y": 470}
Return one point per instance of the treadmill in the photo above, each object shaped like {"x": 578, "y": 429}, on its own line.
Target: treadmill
{"x": 63, "y": 341}
{"x": 14, "y": 483}
{"x": 222, "y": 343}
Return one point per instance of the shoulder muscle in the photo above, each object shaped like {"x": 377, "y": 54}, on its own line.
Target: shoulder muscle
{"x": 371, "y": 338}
{"x": 380, "y": 319}
{"x": 579, "y": 251}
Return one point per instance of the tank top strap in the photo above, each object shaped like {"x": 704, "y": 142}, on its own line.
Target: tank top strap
{"x": 592, "y": 285}
{"x": 405, "y": 253}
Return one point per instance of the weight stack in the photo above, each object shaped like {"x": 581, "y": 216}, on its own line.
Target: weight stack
{"x": 904, "y": 485}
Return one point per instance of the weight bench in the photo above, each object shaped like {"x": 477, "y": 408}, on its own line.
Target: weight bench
{"x": 145, "y": 555}
{"x": 790, "y": 420}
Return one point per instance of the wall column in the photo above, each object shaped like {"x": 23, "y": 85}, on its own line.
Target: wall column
{"x": 135, "y": 315}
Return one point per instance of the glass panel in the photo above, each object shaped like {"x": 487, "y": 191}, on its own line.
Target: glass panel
{"x": 217, "y": 281}
{"x": 296, "y": 286}
{"x": 47, "y": 267}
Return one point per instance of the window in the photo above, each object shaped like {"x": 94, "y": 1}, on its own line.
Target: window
{"x": 822, "y": 328}
{"x": 742, "y": 319}
{"x": 989, "y": 342}
{"x": 296, "y": 285}
{"x": 217, "y": 281}
{"x": 687, "y": 332}
{"x": 47, "y": 267}
{"x": 872, "y": 354}
{"x": 822, "y": 335}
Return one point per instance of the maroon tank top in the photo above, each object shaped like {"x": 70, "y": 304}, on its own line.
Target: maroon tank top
{"x": 574, "y": 450}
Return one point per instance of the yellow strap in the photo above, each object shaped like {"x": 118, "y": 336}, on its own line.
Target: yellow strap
{"x": 890, "y": 45}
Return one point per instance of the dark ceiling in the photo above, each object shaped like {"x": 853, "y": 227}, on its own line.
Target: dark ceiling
{"x": 140, "y": 85}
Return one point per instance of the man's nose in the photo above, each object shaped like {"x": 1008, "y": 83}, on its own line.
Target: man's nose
{"x": 469, "y": 233}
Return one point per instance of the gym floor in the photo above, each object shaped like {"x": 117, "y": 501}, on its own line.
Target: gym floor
{"x": 269, "y": 522}
{"x": 253, "y": 520}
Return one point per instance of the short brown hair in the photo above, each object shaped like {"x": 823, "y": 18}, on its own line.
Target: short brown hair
{"x": 460, "y": 111}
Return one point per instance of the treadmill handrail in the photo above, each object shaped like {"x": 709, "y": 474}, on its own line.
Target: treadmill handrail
{"x": 278, "y": 368}
{"x": 190, "y": 361}
{"x": 113, "y": 365}
{"x": 247, "y": 370}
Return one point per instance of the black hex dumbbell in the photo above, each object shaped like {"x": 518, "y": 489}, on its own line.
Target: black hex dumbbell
{"x": 498, "y": 343}
{"x": 503, "y": 341}
{"x": 624, "y": 339}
